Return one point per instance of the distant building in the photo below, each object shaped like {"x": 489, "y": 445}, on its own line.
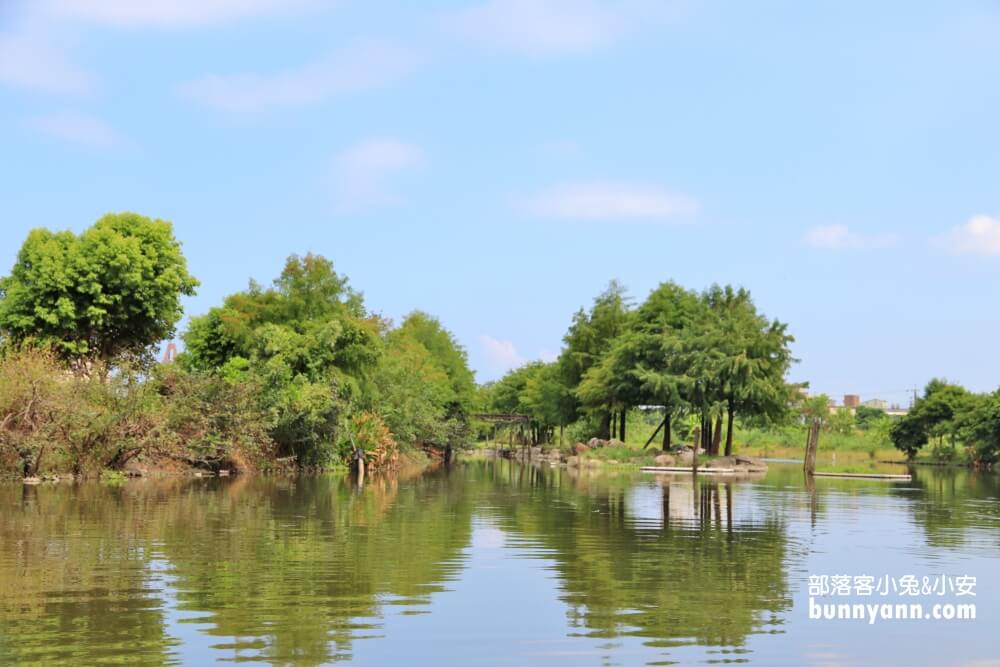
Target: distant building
{"x": 851, "y": 400}
{"x": 834, "y": 408}
{"x": 877, "y": 404}
{"x": 170, "y": 354}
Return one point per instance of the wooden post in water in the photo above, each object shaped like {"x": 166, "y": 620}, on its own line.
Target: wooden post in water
{"x": 812, "y": 444}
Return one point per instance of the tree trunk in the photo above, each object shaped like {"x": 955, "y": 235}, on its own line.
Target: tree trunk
{"x": 717, "y": 436}
{"x": 605, "y": 430}
{"x": 614, "y": 424}
{"x": 666, "y": 432}
{"x": 729, "y": 429}
{"x": 621, "y": 426}
{"x": 706, "y": 432}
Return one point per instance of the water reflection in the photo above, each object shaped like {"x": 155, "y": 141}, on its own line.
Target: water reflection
{"x": 286, "y": 571}
{"x": 315, "y": 570}
{"x": 672, "y": 563}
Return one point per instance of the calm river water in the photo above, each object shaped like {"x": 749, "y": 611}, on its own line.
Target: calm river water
{"x": 494, "y": 563}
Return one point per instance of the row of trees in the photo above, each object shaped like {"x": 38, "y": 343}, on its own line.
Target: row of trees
{"x": 298, "y": 369}
{"x": 952, "y": 420}
{"x": 318, "y": 356}
{"x": 710, "y": 355}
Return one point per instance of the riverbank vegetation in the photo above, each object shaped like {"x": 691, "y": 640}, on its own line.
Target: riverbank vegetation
{"x": 953, "y": 423}
{"x": 295, "y": 374}
{"x": 708, "y": 369}
{"x": 299, "y": 373}
{"x": 702, "y": 360}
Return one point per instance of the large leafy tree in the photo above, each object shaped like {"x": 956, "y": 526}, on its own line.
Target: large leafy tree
{"x": 424, "y": 388}
{"x": 411, "y": 391}
{"x": 589, "y": 339}
{"x": 447, "y": 354}
{"x": 748, "y": 357}
{"x": 937, "y": 414}
{"x": 306, "y": 340}
{"x": 109, "y": 293}
{"x": 979, "y": 427}
{"x": 652, "y": 355}
{"x": 710, "y": 355}
{"x": 547, "y": 400}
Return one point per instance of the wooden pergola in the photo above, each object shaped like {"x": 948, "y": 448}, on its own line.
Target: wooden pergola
{"x": 498, "y": 420}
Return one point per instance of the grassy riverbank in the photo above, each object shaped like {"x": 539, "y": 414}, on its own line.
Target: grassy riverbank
{"x": 858, "y": 451}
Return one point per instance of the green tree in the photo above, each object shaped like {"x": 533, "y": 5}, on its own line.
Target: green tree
{"x": 841, "y": 421}
{"x": 654, "y": 350}
{"x": 934, "y": 415}
{"x": 748, "y": 357}
{"x": 109, "y": 293}
{"x": 866, "y": 417}
{"x": 816, "y": 407}
{"x": 979, "y": 427}
{"x": 306, "y": 341}
{"x": 546, "y": 399}
{"x": 589, "y": 338}
{"x": 411, "y": 391}
{"x": 447, "y": 354}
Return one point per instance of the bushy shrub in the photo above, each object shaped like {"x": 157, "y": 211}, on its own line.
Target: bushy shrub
{"x": 29, "y": 386}
{"x": 369, "y": 433}
{"x": 106, "y": 420}
{"x": 54, "y": 420}
{"x": 944, "y": 453}
{"x": 583, "y": 429}
{"x": 212, "y": 421}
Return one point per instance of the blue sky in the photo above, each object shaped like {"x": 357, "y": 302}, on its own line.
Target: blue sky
{"x": 497, "y": 162}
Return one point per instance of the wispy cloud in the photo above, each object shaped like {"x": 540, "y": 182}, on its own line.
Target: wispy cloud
{"x": 980, "y": 235}
{"x": 169, "y": 14}
{"x": 538, "y": 27}
{"x": 79, "y": 129}
{"x": 500, "y": 354}
{"x": 34, "y": 61}
{"x": 840, "y": 237}
{"x": 362, "y": 171}
{"x": 356, "y": 68}
{"x": 612, "y": 202}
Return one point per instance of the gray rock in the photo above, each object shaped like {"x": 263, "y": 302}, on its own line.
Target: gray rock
{"x": 665, "y": 460}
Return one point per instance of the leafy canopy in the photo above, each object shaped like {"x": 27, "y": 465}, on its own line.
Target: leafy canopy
{"x": 112, "y": 291}
{"x": 307, "y": 343}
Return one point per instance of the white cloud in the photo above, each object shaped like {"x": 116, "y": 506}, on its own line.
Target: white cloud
{"x": 612, "y": 201}
{"x": 78, "y": 129}
{"x": 501, "y": 354}
{"x": 840, "y": 237}
{"x": 979, "y": 236}
{"x": 547, "y": 356}
{"x": 538, "y": 27}
{"x": 356, "y": 68}
{"x": 362, "y": 171}
{"x": 33, "y": 61}
{"x": 168, "y": 13}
